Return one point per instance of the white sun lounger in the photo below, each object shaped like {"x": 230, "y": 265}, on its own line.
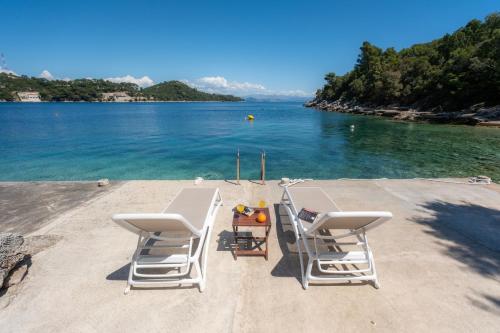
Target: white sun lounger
{"x": 173, "y": 242}
{"x": 333, "y": 263}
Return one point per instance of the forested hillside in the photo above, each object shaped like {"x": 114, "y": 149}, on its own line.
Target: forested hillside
{"x": 179, "y": 91}
{"x": 91, "y": 90}
{"x": 59, "y": 90}
{"x": 448, "y": 74}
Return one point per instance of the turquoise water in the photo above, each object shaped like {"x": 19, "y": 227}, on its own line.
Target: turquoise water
{"x": 87, "y": 141}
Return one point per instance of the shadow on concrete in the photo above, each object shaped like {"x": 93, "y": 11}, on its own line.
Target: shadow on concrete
{"x": 288, "y": 265}
{"x": 473, "y": 233}
{"x": 225, "y": 241}
{"x": 486, "y": 303}
{"x": 121, "y": 274}
{"x": 257, "y": 182}
{"x": 473, "y": 229}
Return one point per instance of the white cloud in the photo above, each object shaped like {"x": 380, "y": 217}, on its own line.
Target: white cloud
{"x": 214, "y": 81}
{"x": 220, "y": 85}
{"x": 7, "y": 71}
{"x": 144, "y": 81}
{"x": 46, "y": 75}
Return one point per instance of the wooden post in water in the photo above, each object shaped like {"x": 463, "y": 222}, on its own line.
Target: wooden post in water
{"x": 263, "y": 167}
{"x": 238, "y": 167}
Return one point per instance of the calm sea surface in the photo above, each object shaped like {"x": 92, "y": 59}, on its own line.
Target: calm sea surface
{"x": 87, "y": 141}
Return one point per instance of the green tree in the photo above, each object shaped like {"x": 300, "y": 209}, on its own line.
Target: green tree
{"x": 449, "y": 73}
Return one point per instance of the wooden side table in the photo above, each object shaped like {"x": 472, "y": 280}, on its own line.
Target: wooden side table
{"x": 256, "y": 243}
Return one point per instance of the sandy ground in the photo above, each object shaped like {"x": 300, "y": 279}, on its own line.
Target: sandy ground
{"x": 438, "y": 261}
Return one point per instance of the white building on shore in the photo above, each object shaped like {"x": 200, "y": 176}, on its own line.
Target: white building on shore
{"x": 28, "y": 96}
{"x": 117, "y": 96}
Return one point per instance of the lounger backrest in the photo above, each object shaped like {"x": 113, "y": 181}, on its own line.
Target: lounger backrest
{"x": 151, "y": 223}
{"x": 194, "y": 204}
{"x": 354, "y": 220}
{"x": 313, "y": 198}
{"x": 187, "y": 213}
{"x": 331, "y": 217}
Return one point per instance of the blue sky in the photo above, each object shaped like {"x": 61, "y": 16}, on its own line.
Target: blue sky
{"x": 240, "y": 47}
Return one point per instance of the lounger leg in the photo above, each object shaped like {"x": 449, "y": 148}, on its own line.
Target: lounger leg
{"x": 308, "y": 273}
{"x": 127, "y": 289}
{"x": 130, "y": 273}
{"x": 132, "y": 264}
{"x": 376, "y": 284}
{"x": 204, "y": 260}
{"x": 201, "y": 272}
{"x": 310, "y": 262}
{"x": 301, "y": 260}
{"x": 202, "y": 286}
{"x": 199, "y": 276}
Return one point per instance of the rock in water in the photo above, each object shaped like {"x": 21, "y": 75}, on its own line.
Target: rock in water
{"x": 11, "y": 253}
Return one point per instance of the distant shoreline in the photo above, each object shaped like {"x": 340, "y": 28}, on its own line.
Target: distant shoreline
{"x": 473, "y": 116}
{"x": 15, "y": 88}
{"x": 183, "y": 101}
{"x": 118, "y": 102}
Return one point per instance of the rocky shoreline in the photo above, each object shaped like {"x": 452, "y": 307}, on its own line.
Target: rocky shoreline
{"x": 476, "y": 115}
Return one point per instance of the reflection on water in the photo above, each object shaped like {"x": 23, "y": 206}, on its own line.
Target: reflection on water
{"x": 69, "y": 141}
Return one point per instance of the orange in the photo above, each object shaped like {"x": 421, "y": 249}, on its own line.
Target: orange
{"x": 261, "y": 218}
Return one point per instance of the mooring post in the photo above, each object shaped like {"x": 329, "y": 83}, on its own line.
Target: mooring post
{"x": 263, "y": 167}
{"x": 238, "y": 167}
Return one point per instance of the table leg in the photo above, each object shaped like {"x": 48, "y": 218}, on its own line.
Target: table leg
{"x": 267, "y": 241}
{"x": 236, "y": 246}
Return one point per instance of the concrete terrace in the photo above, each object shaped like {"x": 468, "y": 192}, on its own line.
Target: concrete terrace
{"x": 438, "y": 262}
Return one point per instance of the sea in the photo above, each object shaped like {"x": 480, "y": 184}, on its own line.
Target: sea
{"x": 123, "y": 141}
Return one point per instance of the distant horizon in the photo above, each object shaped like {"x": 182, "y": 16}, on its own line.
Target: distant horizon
{"x": 224, "y": 48}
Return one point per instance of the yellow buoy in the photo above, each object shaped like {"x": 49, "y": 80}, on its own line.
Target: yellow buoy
{"x": 250, "y": 117}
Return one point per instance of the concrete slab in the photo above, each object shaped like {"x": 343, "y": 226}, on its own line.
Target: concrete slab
{"x": 437, "y": 260}
{"x": 27, "y": 206}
